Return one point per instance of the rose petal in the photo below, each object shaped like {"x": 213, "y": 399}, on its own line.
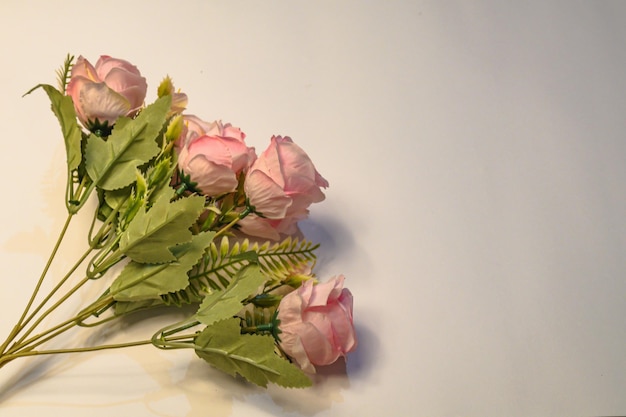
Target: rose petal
{"x": 267, "y": 196}
{"x": 253, "y": 225}
{"x": 212, "y": 179}
{"x": 97, "y": 101}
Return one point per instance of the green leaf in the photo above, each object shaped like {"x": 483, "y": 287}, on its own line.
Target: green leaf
{"x": 159, "y": 176}
{"x": 127, "y": 307}
{"x": 112, "y": 163}
{"x": 140, "y": 281}
{"x": 278, "y": 261}
{"x": 252, "y": 356}
{"x": 63, "y": 108}
{"x": 63, "y": 73}
{"x": 226, "y": 303}
{"x": 152, "y": 233}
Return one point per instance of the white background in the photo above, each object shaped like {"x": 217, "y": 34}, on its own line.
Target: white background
{"x": 476, "y": 156}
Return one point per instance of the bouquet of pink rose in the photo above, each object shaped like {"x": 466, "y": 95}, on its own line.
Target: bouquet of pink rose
{"x": 192, "y": 216}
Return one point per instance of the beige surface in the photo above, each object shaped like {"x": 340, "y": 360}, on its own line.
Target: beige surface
{"x": 476, "y": 158}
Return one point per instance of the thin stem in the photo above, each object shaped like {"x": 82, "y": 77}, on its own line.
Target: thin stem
{"x": 243, "y": 214}
{"x": 55, "y": 289}
{"x": 163, "y": 339}
{"x": 18, "y": 327}
{"x": 84, "y": 197}
{"x": 184, "y": 341}
{"x": 62, "y": 327}
{"x": 7, "y": 358}
{"x": 49, "y": 296}
{"x": 83, "y": 349}
{"x": 70, "y": 193}
{"x": 107, "y": 258}
{"x": 52, "y": 308}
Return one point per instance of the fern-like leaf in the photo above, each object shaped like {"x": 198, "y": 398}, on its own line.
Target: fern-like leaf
{"x": 224, "y": 259}
{"x": 63, "y": 73}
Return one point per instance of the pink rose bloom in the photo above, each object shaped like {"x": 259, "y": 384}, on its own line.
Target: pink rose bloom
{"x": 111, "y": 89}
{"x": 281, "y": 185}
{"x": 213, "y": 155}
{"x": 316, "y": 323}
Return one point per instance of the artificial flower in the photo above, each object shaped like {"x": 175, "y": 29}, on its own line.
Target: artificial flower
{"x": 170, "y": 189}
{"x": 316, "y": 323}
{"x": 213, "y": 155}
{"x": 106, "y": 91}
{"x": 281, "y": 185}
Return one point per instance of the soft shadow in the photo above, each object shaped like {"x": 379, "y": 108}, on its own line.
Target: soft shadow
{"x": 29, "y": 372}
{"x": 364, "y": 359}
{"x": 209, "y": 389}
{"x": 330, "y": 381}
{"x": 337, "y": 246}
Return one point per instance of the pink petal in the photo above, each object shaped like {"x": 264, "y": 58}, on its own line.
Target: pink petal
{"x": 254, "y": 225}
{"x": 83, "y": 68}
{"x": 270, "y": 163}
{"x": 292, "y": 345}
{"x": 211, "y": 148}
{"x": 133, "y": 87}
{"x": 99, "y": 101}
{"x": 213, "y": 179}
{"x": 317, "y": 344}
{"x": 325, "y": 291}
{"x": 106, "y": 64}
{"x": 267, "y": 196}
{"x": 294, "y": 160}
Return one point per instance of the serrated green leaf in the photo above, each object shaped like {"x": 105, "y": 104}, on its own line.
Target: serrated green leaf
{"x": 252, "y": 356}
{"x": 112, "y": 163}
{"x": 152, "y": 233}
{"x": 140, "y": 281}
{"x": 165, "y": 192}
{"x": 63, "y": 108}
{"x": 226, "y": 303}
{"x": 126, "y": 307}
{"x": 117, "y": 198}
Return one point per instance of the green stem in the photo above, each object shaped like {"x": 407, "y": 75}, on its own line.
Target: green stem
{"x": 243, "y": 214}
{"x": 51, "y": 309}
{"x": 54, "y": 290}
{"x": 18, "y": 327}
{"x": 51, "y": 294}
{"x": 62, "y": 327}
{"x": 163, "y": 339}
{"x": 106, "y": 259}
{"x": 7, "y": 358}
{"x": 263, "y": 327}
{"x": 184, "y": 341}
{"x": 83, "y": 198}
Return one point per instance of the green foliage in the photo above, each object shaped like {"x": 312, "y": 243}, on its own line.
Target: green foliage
{"x": 277, "y": 261}
{"x": 112, "y": 163}
{"x": 63, "y": 108}
{"x": 219, "y": 305}
{"x": 117, "y": 198}
{"x": 63, "y": 73}
{"x": 152, "y": 233}
{"x": 166, "y": 87}
{"x": 159, "y": 176}
{"x": 252, "y": 356}
{"x": 141, "y": 281}
{"x": 126, "y": 307}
